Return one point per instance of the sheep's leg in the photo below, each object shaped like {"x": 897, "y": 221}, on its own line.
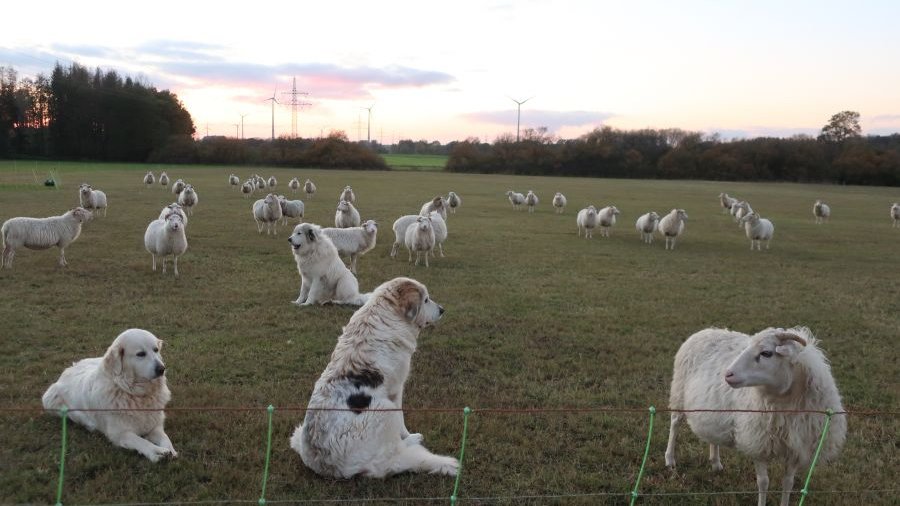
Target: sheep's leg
{"x": 787, "y": 484}
{"x": 762, "y": 481}
{"x": 175, "y": 262}
{"x": 394, "y": 249}
{"x": 62, "y": 257}
{"x": 164, "y": 264}
{"x": 417, "y": 257}
{"x": 426, "y": 255}
{"x": 409, "y": 251}
{"x": 9, "y": 255}
{"x": 258, "y": 226}
{"x": 673, "y": 431}
{"x": 441, "y": 247}
{"x": 714, "y": 461}
{"x": 154, "y": 261}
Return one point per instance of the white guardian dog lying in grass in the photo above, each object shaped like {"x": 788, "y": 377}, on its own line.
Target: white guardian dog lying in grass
{"x": 368, "y": 369}
{"x": 323, "y": 276}
{"x": 129, "y": 376}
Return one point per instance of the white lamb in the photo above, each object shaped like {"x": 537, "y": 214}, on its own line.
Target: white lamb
{"x": 348, "y": 195}
{"x": 309, "y": 188}
{"x": 758, "y": 229}
{"x": 267, "y": 212}
{"x": 559, "y": 202}
{"x": 606, "y": 218}
{"x": 419, "y": 237}
{"x": 166, "y": 237}
{"x": 346, "y": 215}
{"x": 290, "y": 208}
{"x": 247, "y": 188}
{"x": 453, "y": 201}
{"x": 149, "y": 179}
{"x": 178, "y": 186}
{"x": 174, "y": 207}
{"x": 516, "y": 199}
{"x": 234, "y": 180}
{"x": 587, "y": 221}
{"x": 437, "y": 204}
{"x": 646, "y": 225}
{"x": 294, "y": 185}
{"x": 42, "y": 233}
{"x": 354, "y": 241}
{"x": 188, "y": 198}
{"x": 774, "y": 370}
{"x": 895, "y": 215}
{"x": 672, "y": 225}
{"x": 163, "y": 179}
{"x": 821, "y": 211}
{"x": 91, "y": 199}
{"x": 272, "y": 182}
{"x": 727, "y": 202}
{"x": 531, "y": 200}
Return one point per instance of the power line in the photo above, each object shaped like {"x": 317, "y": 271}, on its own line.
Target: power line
{"x": 294, "y": 103}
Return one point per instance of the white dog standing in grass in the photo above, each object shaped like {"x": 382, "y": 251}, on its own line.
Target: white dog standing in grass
{"x": 341, "y": 436}
{"x": 323, "y": 276}
{"x": 130, "y": 376}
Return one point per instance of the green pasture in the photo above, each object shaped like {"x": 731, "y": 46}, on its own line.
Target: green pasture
{"x": 536, "y": 318}
{"x": 416, "y": 162}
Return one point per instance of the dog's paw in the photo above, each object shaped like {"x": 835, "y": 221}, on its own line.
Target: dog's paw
{"x": 414, "y": 439}
{"x": 446, "y": 465}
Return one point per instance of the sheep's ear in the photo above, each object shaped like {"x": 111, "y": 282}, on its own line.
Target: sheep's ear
{"x": 114, "y": 360}
{"x": 791, "y": 344}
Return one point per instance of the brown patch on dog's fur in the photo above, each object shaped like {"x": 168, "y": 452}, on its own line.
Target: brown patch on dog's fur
{"x": 408, "y": 298}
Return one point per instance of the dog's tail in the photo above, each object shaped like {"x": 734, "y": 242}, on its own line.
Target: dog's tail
{"x": 297, "y": 439}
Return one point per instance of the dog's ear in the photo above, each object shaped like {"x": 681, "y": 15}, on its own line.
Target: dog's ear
{"x": 311, "y": 234}
{"x": 114, "y": 360}
{"x": 409, "y": 299}
{"x": 159, "y": 344}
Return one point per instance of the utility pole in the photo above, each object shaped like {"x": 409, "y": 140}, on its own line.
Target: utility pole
{"x": 294, "y": 103}
{"x": 519, "y": 114}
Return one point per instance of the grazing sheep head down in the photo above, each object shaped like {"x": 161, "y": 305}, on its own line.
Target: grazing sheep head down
{"x": 767, "y": 362}
{"x": 304, "y": 235}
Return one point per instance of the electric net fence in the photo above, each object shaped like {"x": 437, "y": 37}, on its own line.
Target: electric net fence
{"x": 453, "y": 498}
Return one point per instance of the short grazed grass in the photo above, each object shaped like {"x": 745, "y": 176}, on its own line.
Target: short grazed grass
{"x": 416, "y": 162}
{"x": 536, "y": 317}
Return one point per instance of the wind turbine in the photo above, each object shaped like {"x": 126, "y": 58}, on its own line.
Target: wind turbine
{"x": 242, "y": 124}
{"x": 369, "y": 127}
{"x": 519, "y": 114}
{"x": 274, "y": 101}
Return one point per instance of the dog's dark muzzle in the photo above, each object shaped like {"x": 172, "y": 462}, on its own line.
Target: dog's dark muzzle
{"x": 160, "y": 370}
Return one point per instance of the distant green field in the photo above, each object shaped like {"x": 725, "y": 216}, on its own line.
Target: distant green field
{"x": 536, "y": 318}
{"x": 416, "y": 162}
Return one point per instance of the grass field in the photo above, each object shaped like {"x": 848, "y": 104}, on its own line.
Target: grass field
{"x": 536, "y": 317}
{"x": 416, "y": 162}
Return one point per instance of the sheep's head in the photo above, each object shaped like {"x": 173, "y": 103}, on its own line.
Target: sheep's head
{"x": 653, "y": 216}
{"x": 437, "y": 202}
{"x": 370, "y": 226}
{"x": 85, "y": 189}
{"x": 174, "y": 221}
{"x": 767, "y": 361}
{"x": 591, "y": 210}
{"x": 304, "y": 237}
{"x": 81, "y": 214}
{"x": 615, "y": 210}
{"x": 271, "y": 200}
{"x": 681, "y": 214}
{"x": 343, "y": 206}
{"x": 424, "y": 223}
{"x": 750, "y": 217}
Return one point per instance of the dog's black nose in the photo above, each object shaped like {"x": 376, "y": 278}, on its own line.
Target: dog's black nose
{"x": 289, "y": 239}
{"x": 440, "y": 309}
{"x": 160, "y": 369}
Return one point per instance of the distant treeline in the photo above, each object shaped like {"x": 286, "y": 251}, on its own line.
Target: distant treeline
{"x": 76, "y": 114}
{"x": 678, "y": 154}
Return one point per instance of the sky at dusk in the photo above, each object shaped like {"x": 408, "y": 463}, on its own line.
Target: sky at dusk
{"x": 449, "y": 70}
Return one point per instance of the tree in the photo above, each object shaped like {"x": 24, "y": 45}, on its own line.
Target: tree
{"x": 841, "y": 127}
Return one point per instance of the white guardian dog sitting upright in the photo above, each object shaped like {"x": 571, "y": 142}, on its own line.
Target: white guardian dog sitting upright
{"x": 346, "y": 431}
{"x": 130, "y": 376}
{"x": 323, "y": 276}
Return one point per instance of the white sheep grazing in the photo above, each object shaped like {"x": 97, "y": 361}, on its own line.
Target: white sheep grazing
{"x": 163, "y": 179}
{"x": 774, "y": 370}
{"x": 672, "y": 225}
{"x": 259, "y": 182}
{"x": 149, "y": 179}
{"x": 309, "y": 188}
{"x": 739, "y": 210}
{"x": 419, "y": 237}
{"x": 267, "y": 212}
{"x": 895, "y": 215}
{"x": 178, "y": 186}
{"x": 354, "y": 241}
{"x": 606, "y": 218}
{"x": 247, "y": 188}
{"x": 587, "y": 221}
{"x": 272, "y": 182}
{"x": 91, "y": 199}
{"x": 821, "y": 211}
{"x": 294, "y": 185}
{"x": 440, "y": 231}
{"x": 174, "y": 207}
{"x": 559, "y": 202}
{"x": 346, "y": 215}
{"x": 726, "y": 202}
{"x": 646, "y": 225}
{"x": 234, "y": 180}
{"x": 166, "y": 237}
{"x": 453, "y": 201}
{"x": 516, "y": 199}
{"x": 348, "y": 195}
{"x": 188, "y": 198}
{"x": 531, "y": 200}
{"x": 758, "y": 229}
{"x": 290, "y": 209}
{"x": 42, "y": 233}
{"x": 437, "y": 204}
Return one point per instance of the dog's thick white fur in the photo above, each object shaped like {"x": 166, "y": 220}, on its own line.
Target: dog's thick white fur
{"x": 368, "y": 369}
{"x": 323, "y": 276}
{"x": 129, "y": 376}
